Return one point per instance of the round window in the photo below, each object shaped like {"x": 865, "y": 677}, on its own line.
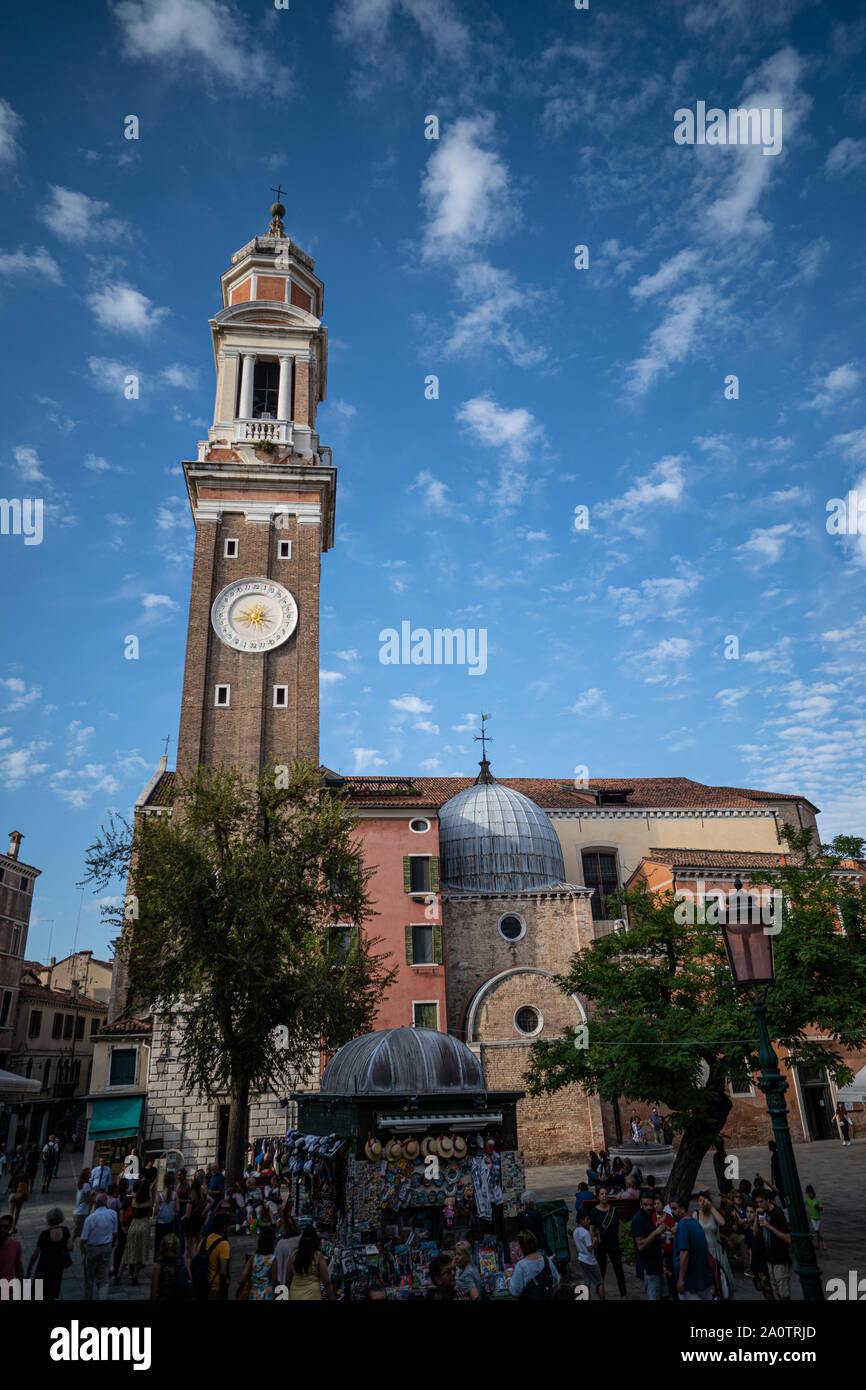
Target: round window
{"x": 512, "y": 927}
{"x": 419, "y": 826}
{"x": 527, "y": 1020}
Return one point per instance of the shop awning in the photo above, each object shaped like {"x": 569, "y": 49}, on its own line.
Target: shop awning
{"x": 22, "y": 1085}
{"x": 474, "y": 1120}
{"x": 111, "y": 1119}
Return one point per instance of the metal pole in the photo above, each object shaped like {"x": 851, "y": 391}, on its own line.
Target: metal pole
{"x": 774, "y": 1085}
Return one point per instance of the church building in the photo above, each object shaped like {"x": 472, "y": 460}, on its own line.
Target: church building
{"x": 484, "y": 890}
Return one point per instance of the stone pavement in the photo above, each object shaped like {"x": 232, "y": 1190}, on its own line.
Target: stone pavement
{"x": 836, "y": 1174}
{"x": 62, "y": 1195}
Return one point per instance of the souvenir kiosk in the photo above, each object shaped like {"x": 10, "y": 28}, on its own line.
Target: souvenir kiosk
{"x": 402, "y": 1153}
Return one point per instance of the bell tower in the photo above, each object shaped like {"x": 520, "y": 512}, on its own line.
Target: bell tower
{"x": 262, "y": 493}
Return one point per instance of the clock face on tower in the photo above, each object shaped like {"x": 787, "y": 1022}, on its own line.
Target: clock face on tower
{"x": 254, "y": 615}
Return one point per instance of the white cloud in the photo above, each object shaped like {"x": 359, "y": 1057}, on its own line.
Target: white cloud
{"x": 766, "y": 546}
{"x": 809, "y": 262}
{"x": 367, "y": 23}
{"x": 14, "y": 264}
{"x": 498, "y": 427}
{"x": 665, "y": 662}
{"x": 425, "y": 727}
{"x": 176, "y": 375}
{"x": 20, "y": 765}
{"x": 776, "y": 658}
{"x": 662, "y": 486}
{"x": 95, "y": 464}
{"x": 466, "y": 190}
{"x": 411, "y": 704}
{"x": 75, "y": 217}
{"x": 667, "y": 276}
{"x": 331, "y": 677}
{"x": 837, "y": 384}
{"x": 672, "y": 340}
{"x": 731, "y": 697}
{"x": 108, "y": 374}
{"x": 198, "y": 37}
{"x": 469, "y": 725}
{"x": 23, "y": 695}
{"x": 851, "y": 446}
{"x": 845, "y": 158}
{"x": 29, "y": 465}
{"x": 430, "y": 764}
{"x": 10, "y": 124}
{"x": 173, "y": 513}
{"x": 367, "y": 760}
{"x": 655, "y": 598}
{"x": 498, "y": 306}
{"x": 79, "y": 737}
{"x": 121, "y": 309}
{"x": 350, "y": 654}
{"x": 435, "y": 494}
{"x": 591, "y": 701}
{"x": 154, "y": 603}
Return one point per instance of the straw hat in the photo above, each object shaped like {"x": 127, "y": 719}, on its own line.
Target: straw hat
{"x": 373, "y": 1150}
{"x": 411, "y": 1148}
{"x": 428, "y": 1146}
{"x": 444, "y": 1146}
{"x": 459, "y": 1144}
{"x": 393, "y": 1149}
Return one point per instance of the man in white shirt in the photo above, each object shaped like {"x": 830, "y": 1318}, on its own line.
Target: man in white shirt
{"x": 98, "y": 1235}
{"x": 588, "y": 1265}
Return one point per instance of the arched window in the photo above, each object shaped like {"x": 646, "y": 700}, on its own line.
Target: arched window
{"x": 599, "y": 874}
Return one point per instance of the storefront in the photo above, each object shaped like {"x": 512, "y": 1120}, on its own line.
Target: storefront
{"x": 403, "y": 1153}
{"x": 114, "y": 1128}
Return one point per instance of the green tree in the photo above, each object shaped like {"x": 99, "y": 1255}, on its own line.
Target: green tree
{"x": 666, "y": 1024}
{"x": 233, "y": 900}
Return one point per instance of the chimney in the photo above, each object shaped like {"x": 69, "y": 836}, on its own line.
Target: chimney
{"x": 14, "y": 844}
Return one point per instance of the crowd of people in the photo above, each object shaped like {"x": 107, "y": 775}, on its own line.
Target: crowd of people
{"x": 688, "y": 1249}
{"x": 189, "y": 1217}
{"x": 683, "y": 1249}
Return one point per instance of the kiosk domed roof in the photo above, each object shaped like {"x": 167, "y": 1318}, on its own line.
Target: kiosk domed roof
{"x": 403, "y": 1061}
{"x": 493, "y": 839}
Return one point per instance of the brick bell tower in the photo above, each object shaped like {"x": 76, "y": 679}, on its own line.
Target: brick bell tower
{"x": 262, "y": 493}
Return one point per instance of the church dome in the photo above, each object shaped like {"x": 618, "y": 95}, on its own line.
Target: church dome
{"x": 495, "y": 840}
{"x": 403, "y": 1061}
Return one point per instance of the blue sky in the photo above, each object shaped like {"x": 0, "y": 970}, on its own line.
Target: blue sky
{"x": 558, "y": 387}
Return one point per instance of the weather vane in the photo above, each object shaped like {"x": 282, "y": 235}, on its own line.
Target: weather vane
{"x": 279, "y": 192}
{"x": 483, "y": 738}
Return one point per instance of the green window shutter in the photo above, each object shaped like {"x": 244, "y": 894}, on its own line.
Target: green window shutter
{"x": 407, "y": 874}
{"x": 410, "y": 950}
{"x": 434, "y": 874}
{"x": 437, "y": 944}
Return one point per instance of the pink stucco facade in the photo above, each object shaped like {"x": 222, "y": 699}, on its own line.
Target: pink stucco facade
{"x": 386, "y": 841}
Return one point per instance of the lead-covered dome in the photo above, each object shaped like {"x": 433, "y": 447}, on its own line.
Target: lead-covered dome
{"x": 403, "y": 1061}
{"x": 495, "y": 840}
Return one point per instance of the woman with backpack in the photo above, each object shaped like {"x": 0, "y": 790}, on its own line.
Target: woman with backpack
{"x": 168, "y": 1283}
{"x": 535, "y": 1275}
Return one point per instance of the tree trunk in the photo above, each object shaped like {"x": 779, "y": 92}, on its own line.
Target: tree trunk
{"x": 697, "y": 1138}
{"x": 236, "y": 1140}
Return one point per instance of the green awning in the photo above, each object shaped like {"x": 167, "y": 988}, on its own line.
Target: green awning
{"x": 111, "y": 1119}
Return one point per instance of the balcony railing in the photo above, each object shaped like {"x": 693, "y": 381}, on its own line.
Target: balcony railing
{"x": 261, "y": 431}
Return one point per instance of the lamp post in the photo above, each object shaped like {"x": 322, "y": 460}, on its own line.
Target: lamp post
{"x": 749, "y": 948}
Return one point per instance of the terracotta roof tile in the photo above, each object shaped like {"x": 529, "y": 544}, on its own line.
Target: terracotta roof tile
{"x": 125, "y": 1026}
{"x": 59, "y": 996}
{"x": 551, "y": 793}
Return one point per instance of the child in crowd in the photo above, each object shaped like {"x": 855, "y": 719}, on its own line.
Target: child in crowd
{"x": 814, "y": 1209}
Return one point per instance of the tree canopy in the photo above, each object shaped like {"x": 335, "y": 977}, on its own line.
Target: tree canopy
{"x": 667, "y": 1025}
{"x": 244, "y": 918}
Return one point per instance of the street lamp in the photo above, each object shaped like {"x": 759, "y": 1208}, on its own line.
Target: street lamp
{"x": 749, "y": 948}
